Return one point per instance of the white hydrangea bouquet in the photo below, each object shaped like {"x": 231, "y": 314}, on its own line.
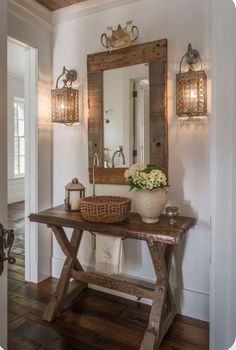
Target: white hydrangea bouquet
{"x": 150, "y": 196}
{"x": 148, "y": 177}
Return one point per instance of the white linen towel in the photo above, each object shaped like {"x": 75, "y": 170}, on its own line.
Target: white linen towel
{"x": 109, "y": 254}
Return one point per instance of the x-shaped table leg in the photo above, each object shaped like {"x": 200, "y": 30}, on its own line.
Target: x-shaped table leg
{"x": 66, "y": 290}
{"x": 163, "y": 308}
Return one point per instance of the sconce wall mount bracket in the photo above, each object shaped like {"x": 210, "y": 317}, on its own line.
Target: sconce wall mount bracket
{"x": 192, "y": 57}
{"x": 70, "y": 77}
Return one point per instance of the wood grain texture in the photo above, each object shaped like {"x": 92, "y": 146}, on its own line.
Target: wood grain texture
{"x": 129, "y": 56}
{"x": 158, "y": 126}
{"x": 95, "y": 121}
{"x": 53, "y": 5}
{"x": 112, "y": 176}
{"x": 63, "y": 294}
{"x": 133, "y": 227}
{"x": 117, "y": 283}
{"x": 163, "y": 310}
{"x": 154, "y": 53}
{"x": 94, "y": 321}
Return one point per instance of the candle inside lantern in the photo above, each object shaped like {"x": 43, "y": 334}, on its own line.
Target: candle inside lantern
{"x": 74, "y": 200}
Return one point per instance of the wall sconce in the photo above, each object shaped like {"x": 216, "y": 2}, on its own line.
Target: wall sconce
{"x": 191, "y": 87}
{"x": 65, "y": 100}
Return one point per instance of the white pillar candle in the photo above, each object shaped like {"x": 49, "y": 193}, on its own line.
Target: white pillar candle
{"x": 74, "y": 200}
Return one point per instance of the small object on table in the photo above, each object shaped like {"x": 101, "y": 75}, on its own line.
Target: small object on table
{"x": 106, "y": 209}
{"x": 74, "y": 192}
{"x": 172, "y": 212}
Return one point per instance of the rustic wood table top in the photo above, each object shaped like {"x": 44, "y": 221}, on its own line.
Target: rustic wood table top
{"x": 133, "y": 227}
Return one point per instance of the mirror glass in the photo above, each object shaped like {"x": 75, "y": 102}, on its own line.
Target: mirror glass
{"x": 126, "y": 116}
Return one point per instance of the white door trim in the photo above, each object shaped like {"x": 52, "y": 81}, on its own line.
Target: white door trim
{"x": 31, "y": 171}
{"x": 31, "y": 163}
{"x": 223, "y": 169}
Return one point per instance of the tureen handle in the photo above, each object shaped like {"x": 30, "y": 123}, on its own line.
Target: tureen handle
{"x": 133, "y": 30}
{"x": 104, "y": 36}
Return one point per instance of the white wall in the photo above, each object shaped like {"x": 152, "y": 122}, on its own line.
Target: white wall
{"x": 223, "y": 272}
{"x": 16, "y": 186}
{"x": 113, "y": 101}
{"x": 181, "y": 22}
{"x": 27, "y": 28}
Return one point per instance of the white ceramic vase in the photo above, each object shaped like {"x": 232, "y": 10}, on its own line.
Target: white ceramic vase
{"x": 150, "y": 204}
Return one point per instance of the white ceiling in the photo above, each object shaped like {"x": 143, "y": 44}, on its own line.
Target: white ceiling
{"x": 16, "y": 59}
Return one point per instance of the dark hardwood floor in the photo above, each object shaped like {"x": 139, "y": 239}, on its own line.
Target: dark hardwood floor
{"x": 95, "y": 321}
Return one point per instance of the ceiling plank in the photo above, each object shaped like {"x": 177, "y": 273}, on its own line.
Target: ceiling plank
{"x": 58, "y": 4}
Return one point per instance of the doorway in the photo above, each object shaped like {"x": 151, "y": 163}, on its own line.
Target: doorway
{"x": 22, "y": 155}
{"x": 16, "y": 147}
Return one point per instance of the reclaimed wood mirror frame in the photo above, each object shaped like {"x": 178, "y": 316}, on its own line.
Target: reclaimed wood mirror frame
{"x": 155, "y": 54}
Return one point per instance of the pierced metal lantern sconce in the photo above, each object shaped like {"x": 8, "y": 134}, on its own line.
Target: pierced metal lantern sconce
{"x": 65, "y": 100}
{"x": 74, "y": 192}
{"x": 191, "y": 87}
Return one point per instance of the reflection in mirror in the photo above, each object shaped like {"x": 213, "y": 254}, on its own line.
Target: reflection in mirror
{"x": 126, "y": 116}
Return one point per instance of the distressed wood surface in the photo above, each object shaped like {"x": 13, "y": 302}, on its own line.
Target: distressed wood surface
{"x": 63, "y": 294}
{"x": 133, "y": 227}
{"x": 163, "y": 310}
{"x": 158, "y": 124}
{"x": 129, "y": 56}
{"x": 118, "y": 283}
{"x": 95, "y": 121}
{"x": 154, "y": 53}
{"x": 113, "y": 176}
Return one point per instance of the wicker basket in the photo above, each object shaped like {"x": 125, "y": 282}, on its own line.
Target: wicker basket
{"x": 107, "y": 209}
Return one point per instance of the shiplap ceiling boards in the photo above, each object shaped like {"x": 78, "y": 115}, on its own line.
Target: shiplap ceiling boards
{"x": 58, "y": 4}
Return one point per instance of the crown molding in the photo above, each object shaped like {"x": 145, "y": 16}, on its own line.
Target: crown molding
{"x": 86, "y": 8}
{"x": 31, "y": 11}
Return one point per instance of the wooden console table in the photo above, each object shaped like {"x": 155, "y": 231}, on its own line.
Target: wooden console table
{"x": 161, "y": 239}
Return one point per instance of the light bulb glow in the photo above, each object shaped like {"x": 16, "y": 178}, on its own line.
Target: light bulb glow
{"x": 193, "y": 94}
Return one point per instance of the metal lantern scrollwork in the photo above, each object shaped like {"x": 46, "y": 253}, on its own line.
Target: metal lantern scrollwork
{"x": 65, "y": 100}
{"x": 74, "y": 192}
{"x": 191, "y": 87}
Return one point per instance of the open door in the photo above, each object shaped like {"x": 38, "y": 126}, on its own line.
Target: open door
{"x": 3, "y": 164}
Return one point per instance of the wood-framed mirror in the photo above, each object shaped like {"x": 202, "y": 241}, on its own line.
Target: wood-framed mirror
{"x": 127, "y": 100}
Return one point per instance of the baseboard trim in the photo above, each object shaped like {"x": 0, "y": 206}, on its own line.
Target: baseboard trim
{"x": 192, "y": 303}
{"x": 16, "y": 198}
{"x": 16, "y": 190}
